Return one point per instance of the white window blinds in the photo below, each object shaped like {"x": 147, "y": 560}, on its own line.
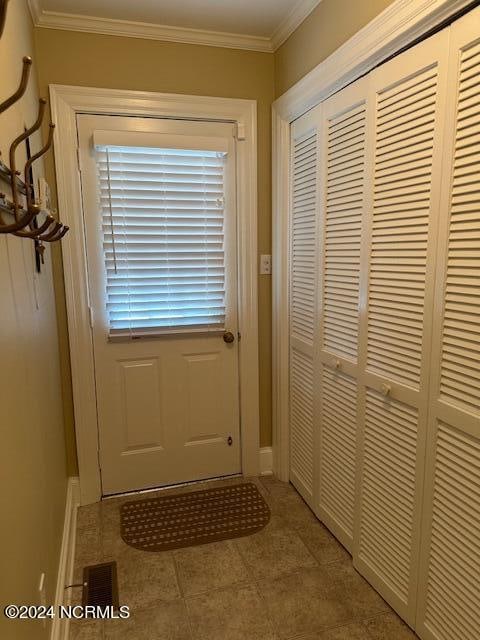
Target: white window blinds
{"x": 163, "y": 238}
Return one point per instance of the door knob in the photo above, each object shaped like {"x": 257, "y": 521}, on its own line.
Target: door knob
{"x": 228, "y": 337}
{"x": 386, "y": 388}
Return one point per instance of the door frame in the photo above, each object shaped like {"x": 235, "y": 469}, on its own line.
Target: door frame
{"x": 68, "y": 101}
{"x": 399, "y": 25}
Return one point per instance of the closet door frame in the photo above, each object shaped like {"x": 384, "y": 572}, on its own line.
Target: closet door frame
{"x": 396, "y": 27}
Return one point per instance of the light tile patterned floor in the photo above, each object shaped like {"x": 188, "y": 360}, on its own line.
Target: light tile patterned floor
{"x": 291, "y": 581}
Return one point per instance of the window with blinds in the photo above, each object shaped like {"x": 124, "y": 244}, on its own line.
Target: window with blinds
{"x": 163, "y": 238}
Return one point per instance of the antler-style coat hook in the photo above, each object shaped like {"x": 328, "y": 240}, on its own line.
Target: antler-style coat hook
{"x": 57, "y": 237}
{"x": 52, "y": 233}
{"x": 13, "y": 148}
{"x": 27, "y": 63}
{"x": 30, "y": 161}
{"x": 21, "y": 223}
{"x": 49, "y": 220}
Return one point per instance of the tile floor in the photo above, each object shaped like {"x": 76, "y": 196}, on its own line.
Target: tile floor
{"x": 291, "y": 581}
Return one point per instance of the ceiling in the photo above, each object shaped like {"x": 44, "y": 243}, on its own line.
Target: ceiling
{"x": 247, "y": 24}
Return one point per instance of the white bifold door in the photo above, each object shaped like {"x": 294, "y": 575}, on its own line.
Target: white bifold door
{"x": 385, "y": 371}
{"x": 449, "y": 584}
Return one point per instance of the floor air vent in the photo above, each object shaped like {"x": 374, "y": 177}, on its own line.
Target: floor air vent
{"x": 100, "y": 585}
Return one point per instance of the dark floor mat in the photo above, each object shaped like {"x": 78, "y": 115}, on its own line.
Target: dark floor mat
{"x": 188, "y": 519}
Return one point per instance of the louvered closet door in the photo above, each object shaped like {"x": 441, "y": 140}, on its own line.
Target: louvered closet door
{"x": 450, "y": 559}
{"x": 407, "y": 96}
{"x": 341, "y": 214}
{"x": 303, "y": 317}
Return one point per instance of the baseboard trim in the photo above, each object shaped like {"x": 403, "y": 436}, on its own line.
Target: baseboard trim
{"x": 67, "y": 552}
{"x": 266, "y": 461}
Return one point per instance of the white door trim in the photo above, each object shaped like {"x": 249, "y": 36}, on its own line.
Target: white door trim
{"x": 396, "y": 27}
{"x": 66, "y": 102}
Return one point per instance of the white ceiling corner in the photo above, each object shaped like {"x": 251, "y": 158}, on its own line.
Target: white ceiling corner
{"x": 35, "y": 11}
{"x": 294, "y": 19}
{"x": 283, "y": 24}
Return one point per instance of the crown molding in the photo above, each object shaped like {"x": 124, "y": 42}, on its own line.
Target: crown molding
{"x": 35, "y": 10}
{"x": 396, "y": 27}
{"x": 293, "y": 20}
{"x": 131, "y": 29}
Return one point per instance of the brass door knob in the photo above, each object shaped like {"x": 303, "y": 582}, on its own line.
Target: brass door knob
{"x": 228, "y": 337}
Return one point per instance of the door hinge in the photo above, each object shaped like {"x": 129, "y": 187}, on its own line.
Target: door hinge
{"x": 79, "y": 162}
{"x": 90, "y": 313}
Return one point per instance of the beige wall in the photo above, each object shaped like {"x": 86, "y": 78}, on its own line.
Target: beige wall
{"x": 128, "y": 63}
{"x": 32, "y": 451}
{"x": 329, "y": 25}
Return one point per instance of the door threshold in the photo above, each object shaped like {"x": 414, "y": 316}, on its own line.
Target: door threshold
{"x": 169, "y": 486}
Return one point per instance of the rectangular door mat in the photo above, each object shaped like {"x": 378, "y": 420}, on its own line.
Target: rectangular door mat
{"x": 184, "y": 520}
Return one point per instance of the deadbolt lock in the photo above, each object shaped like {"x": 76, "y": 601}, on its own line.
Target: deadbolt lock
{"x": 230, "y": 441}
{"x": 228, "y": 337}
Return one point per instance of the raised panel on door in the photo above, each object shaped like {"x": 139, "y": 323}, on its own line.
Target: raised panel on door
{"x": 407, "y": 96}
{"x": 341, "y": 214}
{"x": 303, "y": 296}
{"x": 449, "y": 589}
{"x": 141, "y": 405}
{"x": 203, "y": 406}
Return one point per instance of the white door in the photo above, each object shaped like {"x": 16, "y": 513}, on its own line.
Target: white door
{"x": 160, "y": 236}
{"x": 449, "y": 588}
{"x": 345, "y": 154}
{"x": 397, "y": 287}
{"x": 303, "y": 325}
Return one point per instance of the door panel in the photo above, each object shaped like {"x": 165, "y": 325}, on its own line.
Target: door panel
{"x": 341, "y": 214}
{"x": 303, "y": 325}
{"x": 338, "y": 452}
{"x": 167, "y": 395}
{"x": 407, "y": 96}
{"x": 387, "y": 524}
{"x": 141, "y": 410}
{"x": 449, "y": 590}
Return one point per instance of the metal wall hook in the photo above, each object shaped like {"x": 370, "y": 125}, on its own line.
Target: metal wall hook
{"x": 3, "y": 14}
{"x": 59, "y": 236}
{"x": 13, "y": 148}
{"x": 30, "y": 161}
{"x": 52, "y": 233}
{"x": 34, "y": 233}
{"x": 27, "y": 63}
{"x": 21, "y": 223}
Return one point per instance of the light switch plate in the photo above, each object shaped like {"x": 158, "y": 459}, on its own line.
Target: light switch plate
{"x": 265, "y": 264}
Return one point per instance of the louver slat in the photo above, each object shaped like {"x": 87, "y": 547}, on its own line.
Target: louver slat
{"x": 460, "y": 364}
{"x": 388, "y": 490}
{"x": 342, "y": 231}
{"x": 163, "y": 238}
{"x": 401, "y": 203}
